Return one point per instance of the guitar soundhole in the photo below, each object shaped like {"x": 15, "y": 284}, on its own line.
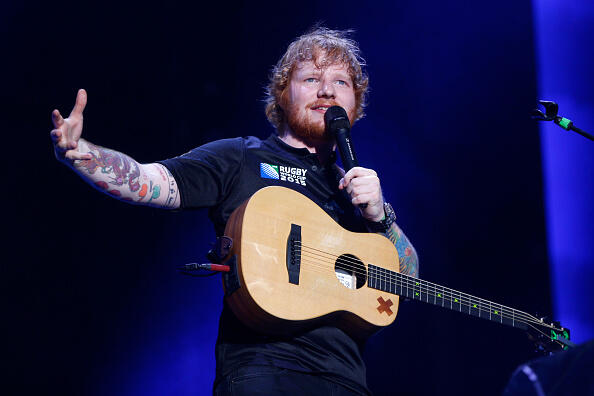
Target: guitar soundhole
{"x": 350, "y": 271}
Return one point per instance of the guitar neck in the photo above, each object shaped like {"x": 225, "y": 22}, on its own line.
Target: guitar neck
{"x": 417, "y": 289}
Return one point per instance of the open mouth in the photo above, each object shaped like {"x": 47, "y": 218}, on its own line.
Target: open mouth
{"x": 321, "y": 109}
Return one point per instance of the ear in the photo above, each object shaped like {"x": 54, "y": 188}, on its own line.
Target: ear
{"x": 282, "y": 102}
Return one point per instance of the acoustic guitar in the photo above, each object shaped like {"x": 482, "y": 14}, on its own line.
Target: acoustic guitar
{"x": 292, "y": 267}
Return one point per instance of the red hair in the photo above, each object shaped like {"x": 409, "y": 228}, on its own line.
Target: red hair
{"x": 320, "y": 44}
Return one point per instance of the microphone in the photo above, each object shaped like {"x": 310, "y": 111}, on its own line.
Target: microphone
{"x": 338, "y": 124}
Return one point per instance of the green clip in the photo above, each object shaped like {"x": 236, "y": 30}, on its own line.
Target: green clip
{"x": 565, "y": 123}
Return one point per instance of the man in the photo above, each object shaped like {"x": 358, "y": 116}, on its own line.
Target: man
{"x": 320, "y": 69}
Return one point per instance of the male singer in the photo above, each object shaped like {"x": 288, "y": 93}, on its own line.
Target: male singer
{"x": 319, "y": 69}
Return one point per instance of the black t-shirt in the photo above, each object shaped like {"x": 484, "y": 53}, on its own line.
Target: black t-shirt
{"x": 221, "y": 175}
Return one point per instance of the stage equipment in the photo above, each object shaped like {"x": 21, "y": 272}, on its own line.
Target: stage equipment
{"x": 550, "y": 114}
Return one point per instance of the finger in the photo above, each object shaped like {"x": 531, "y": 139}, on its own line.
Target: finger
{"x": 365, "y": 180}
{"x": 63, "y": 145}
{"x": 364, "y": 189}
{"x": 79, "y": 105}
{"x": 349, "y": 189}
{"x": 57, "y": 119}
{"x": 341, "y": 184}
{"x": 360, "y": 199}
{"x": 358, "y": 171}
{"x": 347, "y": 178}
{"x": 55, "y": 134}
{"x": 355, "y": 191}
{"x": 59, "y": 140}
{"x": 370, "y": 198}
{"x": 75, "y": 155}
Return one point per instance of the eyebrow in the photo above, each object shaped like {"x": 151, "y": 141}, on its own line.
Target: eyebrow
{"x": 317, "y": 71}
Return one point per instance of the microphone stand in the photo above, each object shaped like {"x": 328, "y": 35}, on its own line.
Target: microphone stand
{"x": 551, "y": 110}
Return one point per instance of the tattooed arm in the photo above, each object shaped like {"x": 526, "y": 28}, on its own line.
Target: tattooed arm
{"x": 120, "y": 176}
{"x": 409, "y": 262}
{"x": 109, "y": 171}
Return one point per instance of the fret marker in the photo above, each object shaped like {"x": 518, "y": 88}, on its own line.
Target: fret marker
{"x": 438, "y": 295}
{"x": 496, "y": 312}
{"x": 416, "y": 293}
{"x": 384, "y": 306}
{"x": 473, "y": 305}
{"x": 455, "y": 300}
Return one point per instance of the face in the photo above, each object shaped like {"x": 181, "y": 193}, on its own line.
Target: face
{"x": 311, "y": 90}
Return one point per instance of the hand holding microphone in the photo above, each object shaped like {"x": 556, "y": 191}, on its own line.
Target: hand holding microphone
{"x": 361, "y": 184}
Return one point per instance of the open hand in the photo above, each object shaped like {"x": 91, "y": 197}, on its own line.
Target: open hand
{"x": 67, "y": 131}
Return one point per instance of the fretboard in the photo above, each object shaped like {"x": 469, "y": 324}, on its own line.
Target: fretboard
{"x": 418, "y": 289}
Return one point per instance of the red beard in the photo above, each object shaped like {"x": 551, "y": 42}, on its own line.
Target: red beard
{"x": 305, "y": 128}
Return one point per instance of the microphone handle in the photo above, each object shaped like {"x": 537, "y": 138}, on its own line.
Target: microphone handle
{"x": 343, "y": 141}
{"x": 349, "y": 160}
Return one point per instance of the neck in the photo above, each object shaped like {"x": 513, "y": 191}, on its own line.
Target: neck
{"x": 322, "y": 148}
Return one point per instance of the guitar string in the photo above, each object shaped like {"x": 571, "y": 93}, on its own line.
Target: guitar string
{"x": 412, "y": 280}
{"x": 546, "y": 336}
{"x": 466, "y": 300}
{"x": 462, "y": 302}
{"x": 323, "y": 269}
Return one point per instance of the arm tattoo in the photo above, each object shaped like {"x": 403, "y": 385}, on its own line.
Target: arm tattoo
{"x": 409, "y": 262}
{"x": 122, "y": 177}
{"x": 119, "y": 169}
{"x": 172, "y": 190}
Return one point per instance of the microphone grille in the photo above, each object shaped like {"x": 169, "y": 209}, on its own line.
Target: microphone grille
{"x": 336, "y": 118}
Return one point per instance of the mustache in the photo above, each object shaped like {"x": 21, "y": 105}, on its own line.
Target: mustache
{"x": 321, "y": 102}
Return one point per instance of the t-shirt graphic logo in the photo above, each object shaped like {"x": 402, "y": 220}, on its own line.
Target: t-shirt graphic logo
{"x": 268, "y": 171}
{"x": 283, "y": 173}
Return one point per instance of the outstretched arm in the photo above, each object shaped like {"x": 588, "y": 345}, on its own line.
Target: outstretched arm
{"x": 121, "y": 177}
{"x": 363, "y": 186}
{"x": 111, "y": 172}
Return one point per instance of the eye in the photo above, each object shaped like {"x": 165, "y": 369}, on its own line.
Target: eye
{"x": 341, "y": 82}
{"x": 311, "y": 80}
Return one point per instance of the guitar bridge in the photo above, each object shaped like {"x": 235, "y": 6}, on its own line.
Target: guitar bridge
{"x": 294, "y": 254}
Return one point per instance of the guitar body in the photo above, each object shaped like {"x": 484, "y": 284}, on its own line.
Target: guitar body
{"x": 270, "y": 301}
{"x": 283, "y": 279}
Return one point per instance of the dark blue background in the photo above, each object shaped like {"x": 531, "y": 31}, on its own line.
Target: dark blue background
{"x": 94, "y": 303}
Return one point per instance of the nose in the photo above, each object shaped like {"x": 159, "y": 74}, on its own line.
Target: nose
{"x": 326, "y": 89}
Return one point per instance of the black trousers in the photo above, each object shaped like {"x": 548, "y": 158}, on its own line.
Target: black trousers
{"x": 270, "y": 381}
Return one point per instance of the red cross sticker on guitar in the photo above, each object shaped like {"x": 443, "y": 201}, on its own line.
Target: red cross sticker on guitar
{"x": 384, "y": 306}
